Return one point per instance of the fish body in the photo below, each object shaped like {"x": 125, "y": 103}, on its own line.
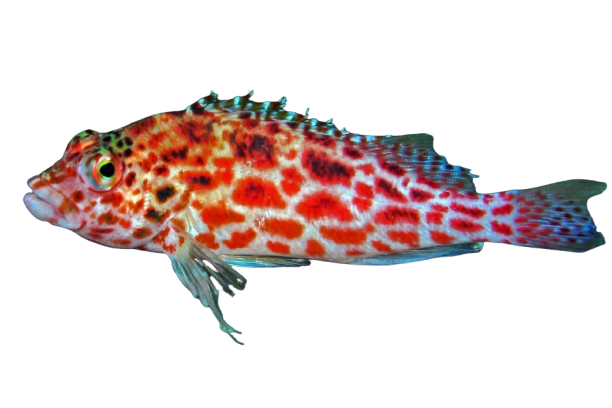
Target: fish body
{"x": 235, "y": 182}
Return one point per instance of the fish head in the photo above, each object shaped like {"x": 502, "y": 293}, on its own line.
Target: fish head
{"x": 87, "y": 191}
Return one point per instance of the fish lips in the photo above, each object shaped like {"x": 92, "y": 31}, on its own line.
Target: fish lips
{"x": 47, "y": 204}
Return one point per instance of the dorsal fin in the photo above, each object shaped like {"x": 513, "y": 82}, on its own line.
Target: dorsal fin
{"x": 410, "y": 152}
{"x": 417, "y": 152}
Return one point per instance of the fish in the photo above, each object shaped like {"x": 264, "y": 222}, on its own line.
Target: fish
{"x": 237, "y": 183}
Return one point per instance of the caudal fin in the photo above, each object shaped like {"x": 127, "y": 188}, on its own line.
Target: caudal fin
{"x": 555, "y": 216}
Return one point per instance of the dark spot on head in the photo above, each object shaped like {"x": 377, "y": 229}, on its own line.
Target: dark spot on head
{"x": 120, "y": 144}
{"x": 153, "y": 215}
{"x": 129, "y": 179}
{"x": 127, "y": 152}
{"x": 200, "y": 179}
{"x": 165, "y": 193}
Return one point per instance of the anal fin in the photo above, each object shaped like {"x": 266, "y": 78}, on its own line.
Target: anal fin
{"x": 415, "y": 255}
{"x": 254, "y": 261}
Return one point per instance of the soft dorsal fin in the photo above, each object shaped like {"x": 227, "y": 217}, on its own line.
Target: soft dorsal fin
{"x": 413, "y": 152}
{"x": 417, "y": 152}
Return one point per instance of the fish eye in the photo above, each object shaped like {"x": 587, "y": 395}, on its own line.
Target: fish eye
{"x": 106, "y": 169}
{"x": 102, "y": 171}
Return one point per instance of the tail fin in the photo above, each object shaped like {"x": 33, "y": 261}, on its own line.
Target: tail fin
{"x": 555, "y": 216}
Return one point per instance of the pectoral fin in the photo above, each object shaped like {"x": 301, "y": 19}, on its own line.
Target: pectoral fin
{"x": 195, "y": 267}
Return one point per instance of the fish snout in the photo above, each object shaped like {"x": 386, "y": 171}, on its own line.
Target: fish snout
{"x": 48, "y": 204}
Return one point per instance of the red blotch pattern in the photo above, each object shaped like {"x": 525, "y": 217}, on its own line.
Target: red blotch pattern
{"x": 141, "y": 233}
{"x": 474, "y": 212}
{"x": 314, "y": 248}
{"x": 503, "y": 210}
{"x": 77, "y": 196}
{"x": 434, "y": 218}
{"x": 381, "y": 246}
{"x": 255, "y": 192}
{"x": 464, "y": 225}
{"x": 343, "y": 236}
{"x": 218, "y": 215}
{"x": 441, "y": 238}
{"x": 387, "y": 189}
{"x": 420, "y": 196}
{"x": 289, "y": 229}
{"x": 397, "y": 215}
{"x": 326, "y": 170}
{"x": 208, "y": 240}
{"x": 240, "y": 239}
{"x": 362, "y": 204}
{"x": 323, "y": 205}
{"x": 199, "y": 180}
{"x": 292, "y": 181}
{"x": 410, "y": 238}
{"x": 364, "y": 190}
{"x": 501, "y": 228}
{"x": 278, "y": 247}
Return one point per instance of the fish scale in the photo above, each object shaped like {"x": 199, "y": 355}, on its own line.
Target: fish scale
{"x": 238, "y": 182}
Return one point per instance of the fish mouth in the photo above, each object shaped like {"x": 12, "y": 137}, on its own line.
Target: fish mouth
{"x": 47, "y": 204}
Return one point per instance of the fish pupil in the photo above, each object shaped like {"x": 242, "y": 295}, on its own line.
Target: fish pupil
{"x": 107, "y": 170}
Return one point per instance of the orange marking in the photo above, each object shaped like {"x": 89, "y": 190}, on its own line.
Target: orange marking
{"x": 240, "y": 239}
{"x": 107, "y": 218}
{"x": 215, "y": 216}
{"x": 292, "y": 181}
{"x": 255, "y": 192}
{"x": 344, "y": 236}
{"x": 323, "y": 205}
{"x": 314, "y": 248}
{"x": 141, "y": 233}
{"x": 441, "y": 238}
{"x": 381, "y": 246}
{"x": 115, "y": 199}
{"x": 67, "y": 207}
{"x": 289, "y": 229}
{"x": 180, "y": 224}
{"x": 225, "y": 174}
{"x": 278, "y": 247}
{"x": 410, "y": 238}
{"x": 208, "y": 240}
{"x": 125, "y": 223}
